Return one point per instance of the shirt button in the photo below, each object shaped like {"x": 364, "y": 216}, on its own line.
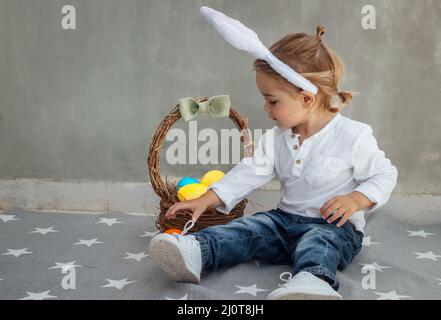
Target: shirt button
{"x": 298, "y": 161}
{"x": 293, "y": 136}
{"x": 296, "y": 147}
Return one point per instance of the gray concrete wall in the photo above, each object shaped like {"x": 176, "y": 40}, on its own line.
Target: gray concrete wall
{"x": 83, "y": 104}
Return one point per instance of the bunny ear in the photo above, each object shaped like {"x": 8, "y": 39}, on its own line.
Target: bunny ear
{"x": 243, "y": 38}
{"x": 235, "y": 33}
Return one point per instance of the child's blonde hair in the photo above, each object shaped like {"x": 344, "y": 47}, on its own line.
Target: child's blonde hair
{"x": 310, "y": 57}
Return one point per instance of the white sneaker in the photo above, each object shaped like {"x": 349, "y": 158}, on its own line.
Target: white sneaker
{"x": 179, "y": 256}
{"x": 304, "y": 286}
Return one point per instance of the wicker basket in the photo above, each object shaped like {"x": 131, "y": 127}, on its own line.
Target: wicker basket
{"x": 167, "y": 190}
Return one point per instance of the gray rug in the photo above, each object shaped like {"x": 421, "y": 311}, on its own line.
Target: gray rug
{"x": 108, "y": 259}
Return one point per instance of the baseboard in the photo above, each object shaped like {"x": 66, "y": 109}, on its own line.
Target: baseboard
{"x": 82, "y": 196}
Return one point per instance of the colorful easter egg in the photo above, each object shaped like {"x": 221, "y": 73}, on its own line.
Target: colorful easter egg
{"x": 191, "y": 191}
{"x": 211, "y": 177}
{"x": 172, "y": 230}
{"x": 186, "y": 180}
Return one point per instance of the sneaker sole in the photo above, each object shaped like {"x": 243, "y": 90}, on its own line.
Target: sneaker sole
{"x": 171, "y": 260}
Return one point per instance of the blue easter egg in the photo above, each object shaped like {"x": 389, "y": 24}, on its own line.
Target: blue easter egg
{"x": 186, "y": 180}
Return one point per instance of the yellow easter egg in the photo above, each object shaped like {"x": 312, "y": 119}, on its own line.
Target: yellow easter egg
{"x": 191, "y": 191}
{"x": 212, "y": 176}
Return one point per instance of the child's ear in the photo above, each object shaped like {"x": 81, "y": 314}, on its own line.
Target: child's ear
{"x": 308, "y": 98}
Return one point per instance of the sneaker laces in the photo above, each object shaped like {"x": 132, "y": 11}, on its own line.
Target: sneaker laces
{"x": 187, "y": 227}
{"x": 285, "y": 280}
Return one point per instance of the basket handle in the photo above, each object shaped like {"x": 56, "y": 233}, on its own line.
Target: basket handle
{"x": 162, "y": 129}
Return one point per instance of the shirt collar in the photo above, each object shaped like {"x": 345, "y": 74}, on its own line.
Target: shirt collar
{"x": 318, "y": 134}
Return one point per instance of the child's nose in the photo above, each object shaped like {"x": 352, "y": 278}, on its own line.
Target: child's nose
{"x": 266, "y": 108}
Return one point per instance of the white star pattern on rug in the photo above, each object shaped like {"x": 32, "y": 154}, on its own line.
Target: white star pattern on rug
{"x": 149, "y": 233}
{"x": 420, "y": 233}
{"x": 374, "y": 265}
{"x": 5, "y": 218}
{"x": 428, "y": 255}
{"x": 44, "y": 231}
{"x": 88, "y": 242}
{"x": 108, "y": 221}
{"x": 253, "y": 290}
{"x": 94, "y": 274}
{"x": 181, "y": 298}
{"x": 65, "y": 266}
{"x": 38, "y": 296}
{"x": 391, "y": 295}
{"x": 119, "y": 284}
{"x": 367, "y": 242}
{"x": 16, "y": 252}
{"x": 136, "y": 256}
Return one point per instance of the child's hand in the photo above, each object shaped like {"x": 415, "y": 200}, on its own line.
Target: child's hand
{"x": 345, "y": 206}
{"x": 197, "y": 207}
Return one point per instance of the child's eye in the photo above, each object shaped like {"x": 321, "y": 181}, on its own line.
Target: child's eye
{"x": 273, "y": 102}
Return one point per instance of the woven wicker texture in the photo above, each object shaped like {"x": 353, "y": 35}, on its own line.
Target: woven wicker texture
{"x": 167, "y": 190}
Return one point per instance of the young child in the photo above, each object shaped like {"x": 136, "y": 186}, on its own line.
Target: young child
{"x": 331, "y": 172}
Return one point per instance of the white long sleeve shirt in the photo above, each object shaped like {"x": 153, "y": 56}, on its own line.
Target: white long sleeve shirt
{"x": 341, "y": 158}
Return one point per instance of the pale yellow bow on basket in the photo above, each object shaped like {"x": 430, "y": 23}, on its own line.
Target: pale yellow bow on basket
{"x": 216, "y": 106}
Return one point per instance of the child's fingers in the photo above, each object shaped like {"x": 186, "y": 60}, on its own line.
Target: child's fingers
{"x": 325, "y": 208}
{"x": 197, "y": 213}
{"x": 176, "y": 209}
{"x": 337, "y": 215}
{"x": 333, "y": 207}
{"x": 344, "y": 219}
{"x": 171, "y": 212}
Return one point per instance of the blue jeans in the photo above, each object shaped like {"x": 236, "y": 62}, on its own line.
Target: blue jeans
{"x": 308, "y": 244}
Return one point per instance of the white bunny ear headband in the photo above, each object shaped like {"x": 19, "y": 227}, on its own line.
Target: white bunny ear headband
{"x": 243, "y": 38}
